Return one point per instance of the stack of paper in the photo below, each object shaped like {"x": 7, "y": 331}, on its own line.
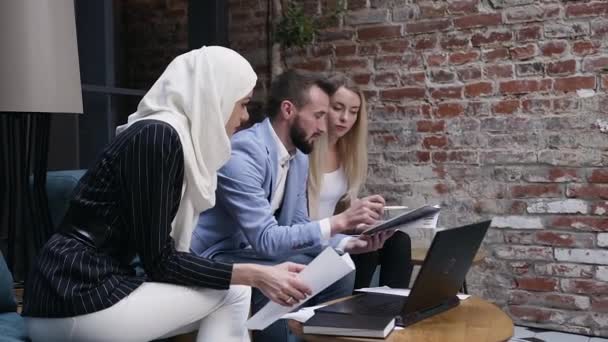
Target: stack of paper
{"x": 324, "y": 270}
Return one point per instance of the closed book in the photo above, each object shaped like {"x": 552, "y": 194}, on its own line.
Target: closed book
{"x": 326, "y": 323}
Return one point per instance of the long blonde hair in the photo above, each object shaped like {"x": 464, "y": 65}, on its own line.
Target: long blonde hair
{"x": 352, "y": 153}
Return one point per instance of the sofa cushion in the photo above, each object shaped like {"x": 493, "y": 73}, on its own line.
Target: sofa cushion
{"x": 59, "y": 188}
{"x": 12, "y": 327}
{"x": 7, "y": 296}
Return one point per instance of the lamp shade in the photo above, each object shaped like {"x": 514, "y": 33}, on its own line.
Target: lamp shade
{"x": 39, "y": 69}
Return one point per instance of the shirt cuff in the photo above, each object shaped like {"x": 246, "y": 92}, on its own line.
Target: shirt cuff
{"x": 342, "y": 244}
{"x": 325, "y": 229}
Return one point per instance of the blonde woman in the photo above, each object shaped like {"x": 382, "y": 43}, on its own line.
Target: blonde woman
{"x": 338, "y": 169}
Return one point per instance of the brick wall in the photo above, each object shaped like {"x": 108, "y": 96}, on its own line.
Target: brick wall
{"x": 153, "y": 32}
{"x": 474, "y": 104}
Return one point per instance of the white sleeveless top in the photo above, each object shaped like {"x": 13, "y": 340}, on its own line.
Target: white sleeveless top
{"x": 333, "y": 188}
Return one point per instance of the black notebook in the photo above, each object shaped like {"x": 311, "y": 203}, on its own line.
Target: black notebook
{"x": 326, "y": 323}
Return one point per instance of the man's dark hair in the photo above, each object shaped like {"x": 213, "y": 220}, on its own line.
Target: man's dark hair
{"x": 294, "y": 86}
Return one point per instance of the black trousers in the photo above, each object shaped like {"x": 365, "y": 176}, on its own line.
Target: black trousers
{"x": 394, "y": 258}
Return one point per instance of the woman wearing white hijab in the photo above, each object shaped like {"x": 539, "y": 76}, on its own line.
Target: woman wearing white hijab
{"x": 141, "y": 199}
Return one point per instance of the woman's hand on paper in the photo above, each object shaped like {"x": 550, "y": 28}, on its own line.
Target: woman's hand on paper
{"x": 367, "y": 243}
{"x": 280, "y": 283}
{"x": 361, "y": 214}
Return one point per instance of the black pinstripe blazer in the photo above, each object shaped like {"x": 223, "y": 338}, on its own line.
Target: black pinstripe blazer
{"x": 126, "y": 201}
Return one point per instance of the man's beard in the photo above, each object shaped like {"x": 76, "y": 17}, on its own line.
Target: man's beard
{"x": 298, "y": 137}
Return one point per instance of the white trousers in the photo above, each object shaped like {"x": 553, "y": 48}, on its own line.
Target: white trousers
{"x": 153, "y": 311}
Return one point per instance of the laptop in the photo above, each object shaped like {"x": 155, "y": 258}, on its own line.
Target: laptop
{"x": 441, "y": 276}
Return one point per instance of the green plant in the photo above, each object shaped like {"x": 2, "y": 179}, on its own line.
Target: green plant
{"x": 298, "y": 29}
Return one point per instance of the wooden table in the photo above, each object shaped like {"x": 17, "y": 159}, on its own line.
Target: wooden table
{"x": 474, "y": 320}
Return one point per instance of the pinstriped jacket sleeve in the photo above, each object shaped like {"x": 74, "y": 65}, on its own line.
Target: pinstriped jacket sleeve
{"x": 152, "y": 173}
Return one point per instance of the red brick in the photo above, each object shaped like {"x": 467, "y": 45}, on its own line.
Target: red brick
{"x": 463, "y": 6}
{"x": 599, "y": 208}
{"x": 496, "y": 54}
{"x": 432, "y": 10}
{"x": 599, "y": 29}
{"x": 451, "y": 92}
{"x": 394, "y": 45}
{"x": 439, "y": 157}
{"x": 536, "y": 106}
{"x": 565, "y": 104}
{"x": 413, "y": 78}
{"x": 591, "y": 9}
{"x": 367, "y": 49}
{"x": 477, "y": 20}
{"x": 428, "y": 26}
{"x": 478, "y": 89}
{"x": 537, "y": 284}
{"x": 499, "y": 71}
{"x": 441, "y": 189}
{"x": 585, "y": 286}
{"x": 604, "y": 81}
{"x": 436, "y": 59}
{"x": 312, "y": 65}
{"x": 531, "y": 13}
{"x": 598, "y": 176}
{"x": 561, "y": 68}
{"x": 585, "y": 47}
{"x": 449, "y": 110}
{"x": 390, "y": 79}
{"x": 529, "y": 33}
{"x": 524, "y": 86}
{"x": 423, "y": 156}
{"x": 554, "y": 48}
{"x": 531, "y": 314}
{"x": 592, "y": 64}
{"x": 351, "y": 63}
{"x": 322, "y": 50}
{"x": 442, "y": 76}
{"x": 346, "y": 50}
{"x": 362, "y": 79}
{"x": 435, "y": 142}
{"x": 563, "y": 301}
{"x": 429, "y": 126}
{"x": 397, "y": 94}
{"x": 468, "y": 73}
{"x": 425, "y": 43}
{"x": 599, "y": 304}
{"x": 581, "y": 223}
{"x": 557, "y": 239}
{"x": 535, "y": 190}
{"x": 574, "y": 83}
{"x": 506, "y": 107}
{"x": 454, "y": 41}
{"x": 357, "y": 4}
{"x": 379, "y": 32}
{"x": 523, "y": 52}
{"x": 464, "y": 57}
{"x": 588, "y": 191}
{"x": 489, "y": 38}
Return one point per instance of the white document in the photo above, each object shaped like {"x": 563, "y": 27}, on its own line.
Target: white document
{"x": 303, "y": 314}
{"x": 324, "y": 270}
{"x": 398, "y": 292}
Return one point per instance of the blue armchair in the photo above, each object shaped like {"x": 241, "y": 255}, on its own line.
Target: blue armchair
{"x": 12, "y": 327}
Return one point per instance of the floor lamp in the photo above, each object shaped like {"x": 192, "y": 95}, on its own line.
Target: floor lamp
{"x": 39, "y": 76}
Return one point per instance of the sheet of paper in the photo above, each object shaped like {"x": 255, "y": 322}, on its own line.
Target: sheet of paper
{"x": 399, "y": 292}
{"x": 303, "y": 314}
{"x": 322, "y": 271}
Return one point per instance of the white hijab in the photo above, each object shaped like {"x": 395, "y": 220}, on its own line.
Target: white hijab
{"x": 196, "y": 95}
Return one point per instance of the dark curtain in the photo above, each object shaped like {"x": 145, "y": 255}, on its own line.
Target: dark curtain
{"x": 25, "y": 221}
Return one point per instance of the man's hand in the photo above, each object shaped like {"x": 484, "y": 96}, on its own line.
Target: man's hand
{"x": 365, "y": 211}
{"x": 367, "y": 243}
